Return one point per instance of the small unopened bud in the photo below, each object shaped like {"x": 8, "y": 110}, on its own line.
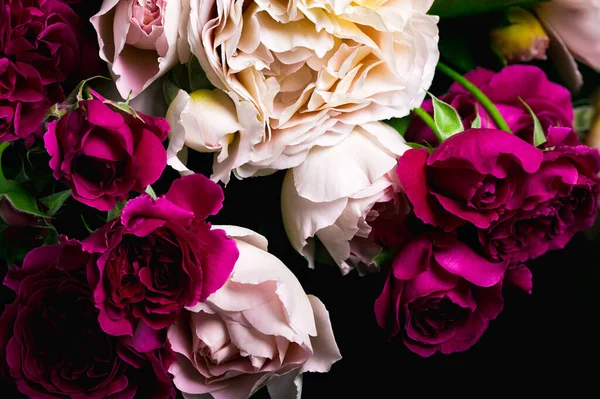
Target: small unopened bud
{"x": 524, "y": 39}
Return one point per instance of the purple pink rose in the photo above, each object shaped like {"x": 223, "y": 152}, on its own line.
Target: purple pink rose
{"x": 441, "y": 295}
{"x": 54, "y": 346}
{"x": 158, "y": 257}
{"x": 102, "y": 153}
{"x": 556, "y": 202}
{"x": 473, "y": 177}
{"x": 40, "y": 46}
{"x": 549, "y": 101}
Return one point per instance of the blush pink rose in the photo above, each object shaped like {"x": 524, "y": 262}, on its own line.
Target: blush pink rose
{"x": 336, "y": 193}
{"x": 259, "y": 328}
{"x": 441, "y": 295}
{"x": 138, "y": 39}
{"x": 574, "y": 34}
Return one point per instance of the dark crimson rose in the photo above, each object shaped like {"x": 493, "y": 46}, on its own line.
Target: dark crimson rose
{"x": 549, "y": 101}
{"x": 441, "y": 295}
{"x": 40, "y": 46}
{"x": 557, "y": 201}
{"x": 159, "y": 256}
{"x": 54, "y": 346}
{"x": 474, "y": 176}
{"x": 103, "y": 153}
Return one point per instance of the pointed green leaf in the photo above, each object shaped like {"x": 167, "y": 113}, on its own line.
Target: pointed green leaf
{"x": 385, "y": 256}
{"x": 20, "y": 199}
{"x": 197, "y": 76}
{"x": 87, "y": 226}
{"x": 151, "y": 192}
{"x": 400, "y": 124}
{"x": 446, "y": 119}
{"x": 418, "y": 146}
{"x": 16, "y": 194}
{"x": 170, "y": 91}
{"x": 116, "y": 211}
{"x": 476, "y": 124}
{"x": 55, "y": 201}
{"x": 52, "y": 237}
{"x": 539, "y": 137}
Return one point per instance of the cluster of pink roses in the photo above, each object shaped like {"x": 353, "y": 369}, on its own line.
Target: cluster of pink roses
{"x": 517, "y": 202}
{"x": 158, "y": 296}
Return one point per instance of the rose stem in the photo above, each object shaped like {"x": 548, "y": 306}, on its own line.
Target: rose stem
{"x": 421, "y": 113}
{"x": 478, "y": 94}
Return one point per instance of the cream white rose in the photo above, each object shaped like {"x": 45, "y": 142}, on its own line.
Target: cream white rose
{"x": 334, "y": 194}
{"x": 139, "y": 40}
{"x": 305, "y": 72}
{"x": 259, "y": 329}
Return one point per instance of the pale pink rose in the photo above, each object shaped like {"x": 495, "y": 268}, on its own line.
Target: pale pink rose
{"x": 259, "y": 328}
{"x": 210, "y": 121}
{"x": 304, "y": 72}
{"x": 139, "y": 38}
{"x": 574, "y": 30}
{"x": 333, "y": 193}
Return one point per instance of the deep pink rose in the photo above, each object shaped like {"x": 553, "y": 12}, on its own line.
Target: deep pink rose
{"x": 54, "y": 346}
{"x": 549, "y": 101}
{"x": 159, "y": 256}
{"x": 557, "y": 201}
{"x": 102, "y": 153}
{"x": 474, "y": 176}
{"x": 441, "y": 295}
{"x": 40, "y": 47}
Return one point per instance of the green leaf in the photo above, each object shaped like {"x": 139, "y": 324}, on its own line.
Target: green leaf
{"x": 400, "y": 124}
{"x": 87, "y": 226}
{"x": 116, "y": 211}
{"x": 52, "y": 237}
{"x": 457, "y": 8}
{"x": 446, "y": 119}
{"x": 20, "y": 199}
{"x": 125, "y": 107}
{"x": 151, "y": 192}
{"x": 419, "y": 146}
{"x": 476, "y": 124}
{"x": 584, "y": 117}
{"x": 170, "y": 91}
{"x": 179, "y": 76}
{"x": 79, "y": 93}
{"x": 55, "y": 201}
{"x": 539, "y": 137}
{"x": 385, "y": 256}
{"x": 197, "y": 76}
{"x": 16, "y": 194}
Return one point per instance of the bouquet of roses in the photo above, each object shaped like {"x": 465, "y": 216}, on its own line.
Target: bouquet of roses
{"x": 128, "y": 272}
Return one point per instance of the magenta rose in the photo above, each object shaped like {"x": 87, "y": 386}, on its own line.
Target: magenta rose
{"x": 474, "y": 176}
{"x": 557, "y": 201}
{"x": 103, "y": 153}
{"x": 40, "y": 46}
{"x": 549, "y": 101}
{"x": 158, "y": 257}
{"x": 52, "y": 342}
{"x": 441, "y": 295}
